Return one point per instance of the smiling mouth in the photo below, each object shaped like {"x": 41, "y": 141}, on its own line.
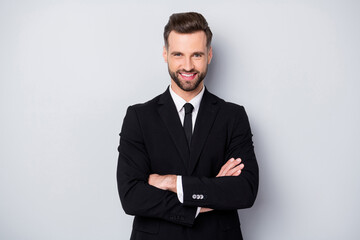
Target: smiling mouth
{"x": 188, "y": 76}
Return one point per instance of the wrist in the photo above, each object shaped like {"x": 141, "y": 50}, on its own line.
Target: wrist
{"x": 171, "y": 183}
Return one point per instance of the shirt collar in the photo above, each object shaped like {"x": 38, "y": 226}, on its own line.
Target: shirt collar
{"x": 179, "y": 101}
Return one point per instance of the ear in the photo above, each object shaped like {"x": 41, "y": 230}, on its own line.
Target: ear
{"x": 165, "y": 54}
{"x": 210, "y": 55}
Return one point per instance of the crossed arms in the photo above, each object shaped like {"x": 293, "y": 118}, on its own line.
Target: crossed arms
{"x": 232, "y": 167}
{"x": 146, "y": 194}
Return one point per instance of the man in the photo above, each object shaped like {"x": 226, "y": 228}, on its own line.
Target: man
{"x": 186, "y": 157}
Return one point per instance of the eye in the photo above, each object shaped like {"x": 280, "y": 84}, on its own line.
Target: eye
{"x": 197, "y": 55}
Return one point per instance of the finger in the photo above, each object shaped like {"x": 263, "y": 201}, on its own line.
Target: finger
{"x": 230, "y": 166}
{"x": 221, "y": 172}
{"x": 231, "y": 163}
{"x": 203, "y": 210}
{"x": 232, "y": 171}
{"x": 235, "y": 171}
{"x": 224, "y": 167}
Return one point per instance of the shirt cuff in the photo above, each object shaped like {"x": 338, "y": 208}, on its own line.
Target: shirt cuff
{"x": 180, "y": 193}
{"x": 197, "y": 211}
{"x": 179, "y": 189}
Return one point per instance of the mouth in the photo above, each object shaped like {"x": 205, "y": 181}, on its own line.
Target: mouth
{"x": 188, "y": 76}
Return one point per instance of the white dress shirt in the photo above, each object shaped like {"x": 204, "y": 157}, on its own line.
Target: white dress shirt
{"x": 179, "y": 104}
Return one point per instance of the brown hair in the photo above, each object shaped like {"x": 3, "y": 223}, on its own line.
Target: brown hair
{"x": 188, "y": 22}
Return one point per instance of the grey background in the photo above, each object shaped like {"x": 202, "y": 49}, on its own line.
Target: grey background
{"x": 69, "y": 69}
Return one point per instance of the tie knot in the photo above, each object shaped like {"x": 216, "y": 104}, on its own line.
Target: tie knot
{"x": 188, "y": 108}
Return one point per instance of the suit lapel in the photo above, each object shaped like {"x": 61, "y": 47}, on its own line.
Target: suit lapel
{"x": 204, "y": 121}
{"x": 170, "y": 117}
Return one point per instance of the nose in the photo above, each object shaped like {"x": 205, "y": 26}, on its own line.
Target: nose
{"x": 188, "y": 65}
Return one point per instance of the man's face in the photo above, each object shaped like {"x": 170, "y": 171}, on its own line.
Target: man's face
{"x": 187, "y": 57}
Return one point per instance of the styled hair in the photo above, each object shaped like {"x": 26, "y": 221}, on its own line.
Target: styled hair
{"x": 188, "y": 22}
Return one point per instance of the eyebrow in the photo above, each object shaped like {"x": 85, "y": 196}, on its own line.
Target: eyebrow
{"x": 176, "y": 52}
{"x": 199, "y": 53}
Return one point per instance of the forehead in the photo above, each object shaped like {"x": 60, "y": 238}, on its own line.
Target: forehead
{"x": 183, "y": 42}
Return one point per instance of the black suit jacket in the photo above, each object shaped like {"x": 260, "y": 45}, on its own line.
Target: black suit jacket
{"x": 152, "y": 140}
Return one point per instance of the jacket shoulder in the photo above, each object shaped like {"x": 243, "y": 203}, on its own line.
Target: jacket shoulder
{"x": 146, "y": 105}
{"x": 225, "y": 105}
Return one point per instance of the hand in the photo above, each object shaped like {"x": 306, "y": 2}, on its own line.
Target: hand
{"x": 164, "y": 182}
{"x": 204, "y": 210}
{"x": 231, "y": 168}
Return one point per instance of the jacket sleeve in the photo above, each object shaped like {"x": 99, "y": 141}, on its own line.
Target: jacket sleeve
{"x": 137, "y": 196}
{"x": 228, "y": 193}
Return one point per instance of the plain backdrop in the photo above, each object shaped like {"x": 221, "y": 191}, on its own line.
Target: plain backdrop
{"x": 69, "y": 69}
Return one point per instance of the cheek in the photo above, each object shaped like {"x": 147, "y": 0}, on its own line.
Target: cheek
{"x": 171, "y": 64}
{"x": 201, "y": 65}
{"x": 174, "y": 64}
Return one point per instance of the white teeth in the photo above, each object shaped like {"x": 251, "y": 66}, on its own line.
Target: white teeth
{"x": 187, "y": 75}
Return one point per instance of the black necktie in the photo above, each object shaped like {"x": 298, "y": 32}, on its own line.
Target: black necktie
{"x": 188, "y": 121}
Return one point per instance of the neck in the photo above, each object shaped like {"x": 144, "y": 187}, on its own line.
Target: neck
{"x": 186, "y": 95}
